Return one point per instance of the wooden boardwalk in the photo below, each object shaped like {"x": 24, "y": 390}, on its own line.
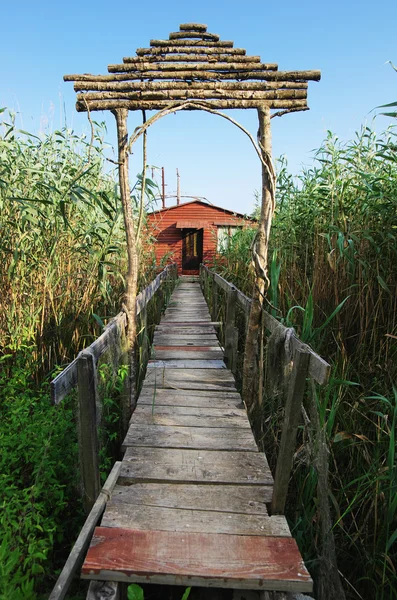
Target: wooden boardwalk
{"x": 190, "y": 503}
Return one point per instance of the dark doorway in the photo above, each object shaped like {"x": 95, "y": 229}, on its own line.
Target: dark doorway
{"x": 192, "y": 250}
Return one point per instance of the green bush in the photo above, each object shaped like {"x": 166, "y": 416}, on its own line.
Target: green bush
{"x": 38, "y": 477}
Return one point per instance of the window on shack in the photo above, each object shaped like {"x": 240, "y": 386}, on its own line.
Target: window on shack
{"x": 224, "y": 235}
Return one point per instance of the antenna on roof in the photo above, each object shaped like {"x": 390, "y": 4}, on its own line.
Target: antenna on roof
{"x": 163, "y": 186}
{"x": 178, "y": 188}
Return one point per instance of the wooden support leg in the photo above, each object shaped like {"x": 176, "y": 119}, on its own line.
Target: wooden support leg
{"x": 214, "y": 307}
{"x": 231, "y": 332}
{"x": 290, "y": 426}
{"x": 88, "y": 434}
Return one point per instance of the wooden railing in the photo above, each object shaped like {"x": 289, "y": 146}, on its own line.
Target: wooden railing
{"x": 304, "y": 361}
{"x": 81, "y": 373}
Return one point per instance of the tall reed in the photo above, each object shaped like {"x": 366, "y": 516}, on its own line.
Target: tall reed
{"x": 334, "y": 278}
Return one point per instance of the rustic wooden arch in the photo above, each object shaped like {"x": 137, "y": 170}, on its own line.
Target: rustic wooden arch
{"x": 195, "y": 70}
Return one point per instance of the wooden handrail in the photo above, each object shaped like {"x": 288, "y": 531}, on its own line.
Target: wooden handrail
{"x": 305, "y": 363}
{"x": 66, "y": 381}
{"x": 319, "y": 369}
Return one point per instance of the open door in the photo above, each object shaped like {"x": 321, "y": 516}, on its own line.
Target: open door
{"x": 192, "y": 250}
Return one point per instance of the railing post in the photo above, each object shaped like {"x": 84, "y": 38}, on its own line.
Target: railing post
{"x": 214, "y": 308}
{"x": 144, "y": 336}
{"x": 88, "y": 432}
{"x": 293, "y": 405}
{"x": 231, "y": 332}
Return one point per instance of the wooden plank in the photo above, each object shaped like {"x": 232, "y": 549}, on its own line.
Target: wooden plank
{"x": 145, "y": 410}
{"x": 172, "y": 419}
{"x": 185, "y": 398}
{"x": 184, "y": 340}
{"x": 176, "y": 465}
{"x": 80, "y": 548}
{"x": 190, "y": 379}
{"x": 249, "y": 499}
{"x": 205, "y": 438}
{"x": 182, "y": 319}
{"x": 146, "y": 518}
{"x": 222, "y": 283}
{"x": 188, "y": 352}
{"x": 227, "y": 561}
{"x": 186, "y": 364}
{"x": 199, "y": 327}
{"x": 187, "y": 330}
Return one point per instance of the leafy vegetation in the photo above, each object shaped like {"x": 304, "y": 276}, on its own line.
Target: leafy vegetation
{"x": 333, "y": 277}
{"x": 62, "y": 255}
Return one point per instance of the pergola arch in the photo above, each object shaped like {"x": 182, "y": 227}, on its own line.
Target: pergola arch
{"x": 196, "y": 70}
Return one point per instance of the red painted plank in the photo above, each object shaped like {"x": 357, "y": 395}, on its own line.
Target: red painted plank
{"x": 210, "y": 559}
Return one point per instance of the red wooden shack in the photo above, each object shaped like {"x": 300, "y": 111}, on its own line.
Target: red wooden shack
{"x": 190, "y": 233}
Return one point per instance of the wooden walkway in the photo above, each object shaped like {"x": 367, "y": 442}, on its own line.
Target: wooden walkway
{"x": 190, "y": 503}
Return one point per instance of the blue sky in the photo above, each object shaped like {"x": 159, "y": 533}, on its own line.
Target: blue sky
{"x": 350, "y": 42}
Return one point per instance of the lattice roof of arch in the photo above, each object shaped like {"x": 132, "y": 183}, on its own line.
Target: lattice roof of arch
{"x": 193, "y": 65}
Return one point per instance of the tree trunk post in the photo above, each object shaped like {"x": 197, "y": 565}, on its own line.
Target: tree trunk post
{"x": 128, "y": 401}
{"x": 88, "y": 433}
{"x": 259, "y": 251}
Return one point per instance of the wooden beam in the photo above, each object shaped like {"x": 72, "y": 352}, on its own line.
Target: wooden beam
{"x": 206, "y": 44}
{"x": 183, "y": 558}
{"x": 192, "y": 57}
{"x": 201, "y": 27}
{"x": 194, "y": 94}
{"x": 194, "y": 35}
{"x": 142, "y": 86}
{"x": 160, "y": 104}
{"x": 79, "y": 550}
{"x": 146, "y": 66}
{"x": 202, "y": 75}
{"x": 193, "y": 49}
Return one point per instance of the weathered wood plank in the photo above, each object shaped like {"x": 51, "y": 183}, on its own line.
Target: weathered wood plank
{"x": 145, "y": 410}
{"x": 185, "y": 398}
{"x": 146, "y": 518}
{"x": 249, "y": 499}
{"x": 193, "y": 330}
{"x": 186, "y": 364}
{"x": 163, "y": 339}
{"x": 214, "y": 438}
{"x": 157, "y": 417}
{"x": 250, "y": 562}
{"x": 170, "y": 465}
{"x": 190, "y": 379}
{"x": 188, "y": 352}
